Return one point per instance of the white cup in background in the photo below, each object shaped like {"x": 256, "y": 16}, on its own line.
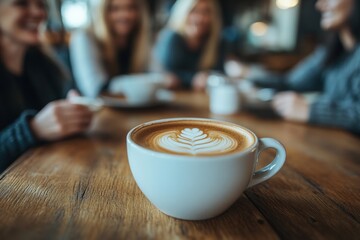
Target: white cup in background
{"x": 138, "y": 89}
{"x": 224, "y": 99}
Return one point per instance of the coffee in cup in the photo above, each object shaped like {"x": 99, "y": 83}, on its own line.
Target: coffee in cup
{"x": 193, "y": 138}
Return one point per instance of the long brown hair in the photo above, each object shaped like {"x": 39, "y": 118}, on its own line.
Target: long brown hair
{"x": 334, "y": 45}
{"x": 106, "y": 41}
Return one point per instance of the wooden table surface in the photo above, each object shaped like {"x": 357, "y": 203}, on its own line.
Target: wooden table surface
{"x": 82, "y": 188}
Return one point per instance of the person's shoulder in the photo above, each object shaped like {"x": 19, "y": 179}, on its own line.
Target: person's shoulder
{"x": 318, "y": 55}
{"x": 355, "y": 60}
{"x": 38, "y": 55}
{"x": 357, "y": 50}
{"x": 320, "y": 50}
{"x": 44, "y": 61}
{"x": 170, "y": 36}
{"x": 171, "y": 33}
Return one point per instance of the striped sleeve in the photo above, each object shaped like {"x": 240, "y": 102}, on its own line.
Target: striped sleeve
{"x": 16, "y": 139}
{"x": 343, "y": 113}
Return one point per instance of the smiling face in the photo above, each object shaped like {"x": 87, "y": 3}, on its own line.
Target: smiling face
{"x": 123, "y": 16}
{"x": 334, "y": 13}
{"x": 21, "y": 20}
{"x": 199, "y": 20}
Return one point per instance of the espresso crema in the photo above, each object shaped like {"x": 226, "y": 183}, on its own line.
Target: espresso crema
{"x": 193, "y": 137}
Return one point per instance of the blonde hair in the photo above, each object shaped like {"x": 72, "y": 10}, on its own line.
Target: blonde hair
{"x": 141, "y": 48}
{"x": 177, "y": 22}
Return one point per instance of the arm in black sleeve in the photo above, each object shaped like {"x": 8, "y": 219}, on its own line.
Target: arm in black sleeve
{"x": 16, "y": 139}
{"x": 306, "y": 76}
{"x": 169, "y": 53}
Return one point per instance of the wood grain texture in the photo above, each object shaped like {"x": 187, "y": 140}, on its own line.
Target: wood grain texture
{"x": 82, "y": 188}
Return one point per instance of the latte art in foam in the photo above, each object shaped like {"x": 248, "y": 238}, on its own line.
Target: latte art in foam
{"x": 193, "y": 138}
{"x": 195, "y": 141}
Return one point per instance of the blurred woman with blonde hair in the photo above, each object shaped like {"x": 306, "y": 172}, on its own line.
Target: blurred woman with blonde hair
{"x": 191, "y": 45}
{"x": 117, "y": 43}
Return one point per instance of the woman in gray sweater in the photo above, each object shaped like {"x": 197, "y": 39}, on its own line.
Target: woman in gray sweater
{"x": 333, "y": 70}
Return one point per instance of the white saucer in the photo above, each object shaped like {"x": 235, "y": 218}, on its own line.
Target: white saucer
{"x": 162, "y": 97}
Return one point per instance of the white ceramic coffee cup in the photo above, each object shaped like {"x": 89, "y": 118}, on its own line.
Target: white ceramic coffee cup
{"x": 224, "y": 99}
{"x": 138, "y": 88}
{"x": 199, "y": 187}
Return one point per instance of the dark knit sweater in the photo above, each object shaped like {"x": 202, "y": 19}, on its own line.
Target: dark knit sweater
{"x": 174, "y": 55}
{"x": 339, "y": 104}
{"x": 21, "y": 97}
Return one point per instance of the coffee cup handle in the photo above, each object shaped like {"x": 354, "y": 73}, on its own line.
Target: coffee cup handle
{"x": 271, "y": 169}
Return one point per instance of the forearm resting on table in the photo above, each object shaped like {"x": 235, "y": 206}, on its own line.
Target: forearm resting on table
{"x": 16, "y": 139}
{"x": 344, "y": 114}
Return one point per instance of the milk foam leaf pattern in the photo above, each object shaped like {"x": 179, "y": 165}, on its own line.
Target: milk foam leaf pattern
{"x": 195, "y": 141}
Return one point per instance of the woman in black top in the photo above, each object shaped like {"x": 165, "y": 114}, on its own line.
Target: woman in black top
{"x": 333, "y": 70}
{"x": 30, "y": 84}
{"x": 191, "y": 44}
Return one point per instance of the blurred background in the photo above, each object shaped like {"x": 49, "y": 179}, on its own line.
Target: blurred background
{"x": 275, "y": 33}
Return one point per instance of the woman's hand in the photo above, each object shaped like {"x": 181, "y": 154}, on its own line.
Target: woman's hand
{"x": 200, "y": 81}
{"x": 171, "y": 81}
{"x": 236, "y": 69}
{"x": 61, "y": 119}
{"x": 291, "y": 106}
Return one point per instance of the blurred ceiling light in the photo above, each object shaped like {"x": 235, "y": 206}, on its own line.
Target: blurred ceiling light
{"x": 75, "y": 14}
{"x": 286, "y": 4}
{"x": 259, "y": 28}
